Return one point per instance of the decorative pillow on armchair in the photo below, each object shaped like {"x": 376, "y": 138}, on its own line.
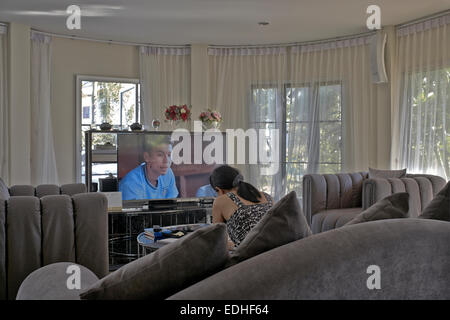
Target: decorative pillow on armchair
{"x": 386, "y": 174}
{"x": 282, "y": 224}
{"x": 439, "y": 207}
{"x": 167, "y": 270}
{"x": 392, "y": 207}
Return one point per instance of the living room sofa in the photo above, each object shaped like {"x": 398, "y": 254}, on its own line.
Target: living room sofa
{"x": 410, "y": 255}
{"x": 47, "y": 224}
{"x": 332, "y": 200}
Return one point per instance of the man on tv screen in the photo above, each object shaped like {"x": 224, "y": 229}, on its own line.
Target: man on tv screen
{"x": 154, "y": 178}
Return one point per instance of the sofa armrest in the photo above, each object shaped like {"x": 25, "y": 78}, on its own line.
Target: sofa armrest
{"x": 314, "y": 194}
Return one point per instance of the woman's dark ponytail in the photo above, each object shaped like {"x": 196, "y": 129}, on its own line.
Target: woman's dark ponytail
{"x": 248, "y": 192}
{"x": 226, "y": 177}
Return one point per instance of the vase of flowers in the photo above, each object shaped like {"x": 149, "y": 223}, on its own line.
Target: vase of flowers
{"x": 177, "y": 114}
{"x": 210, "y": 119}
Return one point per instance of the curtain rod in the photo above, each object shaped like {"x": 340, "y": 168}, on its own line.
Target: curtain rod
{"x": 292, "y": 44}
{"x": 125, "y": 43}
{"x": 419, "y": 20}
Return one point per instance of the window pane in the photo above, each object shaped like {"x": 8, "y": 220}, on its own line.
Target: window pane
{"x": 294, "y": 176}
{"x": 297, "y": 104}
{"x": 264, "y": 102}
{"x": 297, "y": 142}
{"x": 330, "y": 142}
{"x": 330, "y": 102}
{"x": 329, "y": 168}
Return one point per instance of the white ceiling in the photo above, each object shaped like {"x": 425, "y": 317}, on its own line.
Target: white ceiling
{"x": 221, "y": 22}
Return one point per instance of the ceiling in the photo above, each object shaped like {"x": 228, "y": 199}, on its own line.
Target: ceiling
{"x": 220, "y": 22}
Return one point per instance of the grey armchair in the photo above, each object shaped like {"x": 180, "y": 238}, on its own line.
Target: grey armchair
{"x": 331, "y": 200}
{"x": 48, "y": 224}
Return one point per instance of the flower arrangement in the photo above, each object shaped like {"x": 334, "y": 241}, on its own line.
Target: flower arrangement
{"x": 210, "y": 118}
{"x": 177, "y": 113}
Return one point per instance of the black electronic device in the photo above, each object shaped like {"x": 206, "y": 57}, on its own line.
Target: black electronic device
{"x": 109, "y": 184}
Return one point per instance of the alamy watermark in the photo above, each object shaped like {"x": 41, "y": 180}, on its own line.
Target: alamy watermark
{"x": 73, "y": 21}
{"x": 74, "y": 280}
{"x": 374, "y": 280}
{"x": 262, "y": 148}
{"x": 373, "y": 22}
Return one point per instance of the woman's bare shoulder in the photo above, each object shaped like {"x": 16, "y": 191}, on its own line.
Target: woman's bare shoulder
{"x": 222, "y": 199}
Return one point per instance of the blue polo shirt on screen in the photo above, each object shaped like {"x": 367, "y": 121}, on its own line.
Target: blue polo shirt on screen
{"x": 135, "y": 185}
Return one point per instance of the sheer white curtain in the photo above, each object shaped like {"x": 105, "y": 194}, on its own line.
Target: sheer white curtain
{"x": 4, "y": 107}
{"x": 42, "y": 153}
{"x": 331, "y": 117}
{"x": 245, "y": 86}
{"x": 421, "y": 117}
{"x": 165, "y": 75}
{"x": 333, "y": 109}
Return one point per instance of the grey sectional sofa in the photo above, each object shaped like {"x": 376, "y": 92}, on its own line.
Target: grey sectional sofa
{"x": 408, "y": 258}
{"x": 47, "y": 224}
{"x": 332, "y": 200}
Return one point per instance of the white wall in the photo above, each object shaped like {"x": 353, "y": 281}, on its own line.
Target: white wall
{"x": 19, "y": 97}
{"x": 72, "y": 57}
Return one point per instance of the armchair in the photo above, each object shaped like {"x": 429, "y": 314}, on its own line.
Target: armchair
{"x": 48, "y": 224}
{"x": 331, "y": 200}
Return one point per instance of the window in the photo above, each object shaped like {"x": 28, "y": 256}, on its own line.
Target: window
{"x": 116, "y": 101}
{"x": 309, "y": 117}
{"x": 426, "y": 135}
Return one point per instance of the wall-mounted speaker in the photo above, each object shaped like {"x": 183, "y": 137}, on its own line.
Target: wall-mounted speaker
{"x": 377, "y": 66}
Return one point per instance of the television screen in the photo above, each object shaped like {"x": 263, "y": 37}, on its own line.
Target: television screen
{"x": 151, "y": 165}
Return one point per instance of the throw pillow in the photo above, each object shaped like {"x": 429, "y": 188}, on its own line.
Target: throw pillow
{"x": 386, "y": 174}
{"x": 167, "y": 270}
{"x": 283, "y": 223}
{"x": 392, "y": 207}
{"x": 4, "y": 192}
{"x": 439, "y": 207}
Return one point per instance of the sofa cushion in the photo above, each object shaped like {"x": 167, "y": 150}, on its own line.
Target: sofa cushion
{"x": 167, "y": 270}
{"x": 439, "y": 207}
{"x": 283, "y": 223}
{"x": 4, "y": 192}
{"x": 332, "y": 219}
{"x": 391, "y": 207}
{"x": 385, "y": 174}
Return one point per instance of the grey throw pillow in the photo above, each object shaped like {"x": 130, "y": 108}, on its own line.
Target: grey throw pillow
{"x": 167, "y": 270}
{"x": 4, "y": 192}
{"x": 386, "y": 174}
{"x": 392, "y": 207}
{"x": 282, "y": 224}
{"x": 439, "y": 207}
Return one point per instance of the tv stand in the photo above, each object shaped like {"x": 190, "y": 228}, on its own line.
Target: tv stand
{"x": 125, "y": 225}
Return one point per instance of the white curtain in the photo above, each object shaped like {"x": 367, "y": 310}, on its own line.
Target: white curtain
{"x": 4, "y": 107}
{"x": 319, "y": 95}
{"x": 165, "y": 75}
{"x": 42, "y": 153}
{"x": 333, "y": 108}
{"x": 245, "y": 86}
{"x": 421, "y": 113}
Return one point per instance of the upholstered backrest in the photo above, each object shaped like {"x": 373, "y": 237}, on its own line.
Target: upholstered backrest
{"x": 421, "y": 188}
{"x": 332, "y": 191}
{"x": 43, "y": 190}
{"x": 35, "y": 232}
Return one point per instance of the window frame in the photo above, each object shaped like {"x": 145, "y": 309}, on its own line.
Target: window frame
{"x": 313, "y": 86}
{"x": 78, "y": 110}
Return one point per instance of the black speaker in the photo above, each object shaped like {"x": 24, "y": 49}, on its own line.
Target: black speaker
{"x": 109, "y": 184}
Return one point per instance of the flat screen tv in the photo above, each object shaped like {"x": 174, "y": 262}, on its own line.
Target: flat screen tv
{"x": 157, "y": 165}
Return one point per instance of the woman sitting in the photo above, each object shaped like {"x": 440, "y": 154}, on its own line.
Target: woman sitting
{"x": 239, "y": 204}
